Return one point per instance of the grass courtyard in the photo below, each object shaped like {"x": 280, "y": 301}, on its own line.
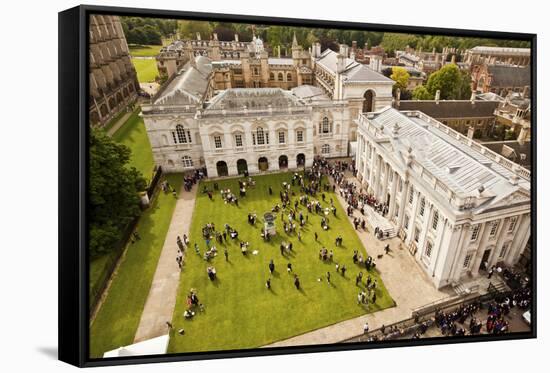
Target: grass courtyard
{"x": 133, "y": 135}
{"x": 146, "y": 69}
{"x": 239, "y": 311}
{"x": 118, "y": 318}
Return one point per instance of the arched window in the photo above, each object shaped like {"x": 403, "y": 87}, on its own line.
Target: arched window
{"x": 181, "y": 135}
{"x": 280, "y": 77}
{"x": 325, "y": 149}
{"x": 187, "y": 161}
{"x": 288, "y": 77}
{"x": 271, "y": 76}
{"x": 325, "y": 126}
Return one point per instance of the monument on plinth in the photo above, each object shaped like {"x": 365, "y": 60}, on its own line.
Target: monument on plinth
{"x": 269, "y": 224}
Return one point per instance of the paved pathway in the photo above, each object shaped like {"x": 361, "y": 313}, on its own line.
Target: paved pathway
{"x": 161, "y": 300}
{"x": 406, "y": 282}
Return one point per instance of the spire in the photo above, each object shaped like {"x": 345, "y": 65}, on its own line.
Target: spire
{"x": 294, "y": 41}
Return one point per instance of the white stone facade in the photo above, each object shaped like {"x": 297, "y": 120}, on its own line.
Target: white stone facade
{"x": 190, "y": 125}
{"x": 457, "y": 206}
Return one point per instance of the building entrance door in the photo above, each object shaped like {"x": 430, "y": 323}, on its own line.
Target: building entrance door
{"x": 484, "y": 260}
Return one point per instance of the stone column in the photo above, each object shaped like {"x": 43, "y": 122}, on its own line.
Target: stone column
{"x": 424, "y": 233}
{"x": 393, "y": 192}
{"x": 402, "y": 203}
{"x": 378, "y": 166}
{"x": 521, "y": 237}
{"x": 413, "y": 218}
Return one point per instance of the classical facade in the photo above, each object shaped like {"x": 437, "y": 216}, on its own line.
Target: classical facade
{"x": 458, "y": 207}
{"x": 113, "y": 79}
{"x": 260, "y": 113}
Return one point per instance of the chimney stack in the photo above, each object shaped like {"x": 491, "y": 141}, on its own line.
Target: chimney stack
{"x": 198, "y": 36}
{"x": 397, "y": 98}
{"x": 340, "y": 65}
{"x": 237, "y": 38}
{"x": 437, "y": 95}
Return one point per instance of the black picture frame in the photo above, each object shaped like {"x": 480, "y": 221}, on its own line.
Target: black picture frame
{"x": 73, "y": 159}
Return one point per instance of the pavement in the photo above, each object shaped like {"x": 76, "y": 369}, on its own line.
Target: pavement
{"x": 161, "y": 300}
{"x": 406, "y": 282}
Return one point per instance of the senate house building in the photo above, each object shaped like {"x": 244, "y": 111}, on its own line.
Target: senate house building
{"x": 258, "y": 113}
{"x": 459, "y": 207}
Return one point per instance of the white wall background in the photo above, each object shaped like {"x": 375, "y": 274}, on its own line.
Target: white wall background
{"x": 28, "y": 189}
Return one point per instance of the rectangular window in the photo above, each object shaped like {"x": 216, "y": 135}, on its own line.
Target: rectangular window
{"x": 435, "y": 220}
{"x": 217, "y": 142}
{"x": 299, "y": 136}
{"x": 238, "y": 140}
{"x": 494, "y": 228}
{"x": 281, "y": 137}
{"x": 467, "y": 261}
{"x": 512, "y": 224}
{"x": 422, "y": 206}
{"x": 406, "y": 221}
{"x": 475, "y": 232}
{"x": 429, "y": 247}
{"x": 411, "y": 196}
{"x": 396, "y": 210}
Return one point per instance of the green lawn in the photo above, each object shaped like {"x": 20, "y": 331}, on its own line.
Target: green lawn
{"x": 239, "y": 311}
{"x": 146, "y": 69}
{"x": 144, "y": 50}
{"x": 118, "y": 318}
{"x": 133, "y": 134}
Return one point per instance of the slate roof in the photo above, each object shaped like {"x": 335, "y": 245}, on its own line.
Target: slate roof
{"x": 309, "y": 92}
{"x": 254, "y": 99}
{"x": 509, "y": 76}
{"x": 451, "y": 108}
{"x": 353, "y": 71}
{"x": 189, "y": 86}
{"x": 461, "y": 168}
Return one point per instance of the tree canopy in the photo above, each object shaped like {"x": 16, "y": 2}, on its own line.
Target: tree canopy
{"x": 147, "y": 31}
{"x": 114, "y": 191}
{"x": 421, "y": 93}
{"x": 401, "y": 77}
{"x": 451, "y": 82}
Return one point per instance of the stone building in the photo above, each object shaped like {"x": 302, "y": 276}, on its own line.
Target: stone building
{"x": 196, "y": 121}
{"x": 482, "y": 55}
{"x": 474, "y": 118}
{"x": 113, "y": 79}
{"x": 502, "y": 79}
{"x": 458, "y": 207}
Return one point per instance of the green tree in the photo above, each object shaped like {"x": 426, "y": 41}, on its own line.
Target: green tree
{"x": 464, "y": 88}
{"x": 392, "y": 42}
{"x": 401, "y": 77}
{"x": 421, "y": 93}
{"x": 189, "y": 29}
{"x": 448, "y": 80}
{"x": 114, "y": 191}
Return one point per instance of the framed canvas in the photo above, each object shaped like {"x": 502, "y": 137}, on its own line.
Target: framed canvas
{"x": 235, "y": 186}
